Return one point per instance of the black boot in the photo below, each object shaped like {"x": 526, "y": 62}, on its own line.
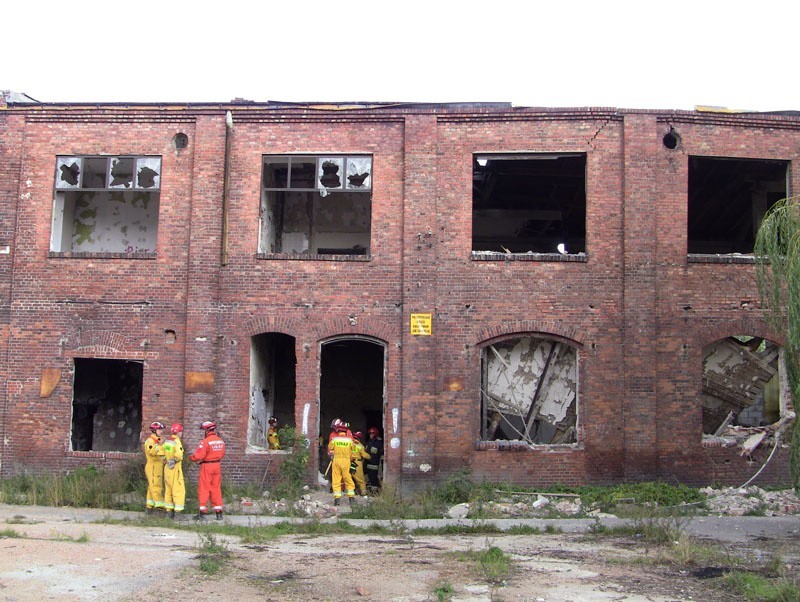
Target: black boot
{"x": 200, "y": 516}
{"x": 171, "y": 514}
{"x": 336, "y": 501}
{"x": 148, "y": 511}
{"x": 219, "y": 515}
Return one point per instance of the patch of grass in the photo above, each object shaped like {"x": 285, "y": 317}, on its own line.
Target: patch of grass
{"x": 86, "y": 486}
{"x": 495, "y": 565}
{"x": 10, "y": 533}
{"x": 756, "y": 587}
{"x": 443, "y": 592}
{"x": 212, "y": 553}
{"x": 58, "y": 536}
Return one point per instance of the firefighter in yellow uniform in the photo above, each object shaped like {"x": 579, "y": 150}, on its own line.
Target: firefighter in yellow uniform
{"x": 360, "y": 454}
{"x": 341, "y": 451}
{"x": 272, "y": 435}
{"x": 174, "y": 485}
{"x": 154, "y": 468}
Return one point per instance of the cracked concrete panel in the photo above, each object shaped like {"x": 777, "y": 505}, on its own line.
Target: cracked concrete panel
{"x": 740, "y": 383}
{"x": 530, "y": 391}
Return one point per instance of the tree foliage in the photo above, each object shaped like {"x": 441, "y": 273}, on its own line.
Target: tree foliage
{"x": 777, "y": 252}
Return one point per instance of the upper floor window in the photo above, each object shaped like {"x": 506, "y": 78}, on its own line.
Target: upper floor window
{"x": 728, "y": 199}
{"x": 529, "y": 203}
{"x": 316, "y": 205}
{"x": 106, "y": 204}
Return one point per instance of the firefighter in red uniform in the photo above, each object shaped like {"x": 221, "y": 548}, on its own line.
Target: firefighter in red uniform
{"x": 209, "y": 453}
{"x": 341, "y": 450}
{"x": 154, "y": 468}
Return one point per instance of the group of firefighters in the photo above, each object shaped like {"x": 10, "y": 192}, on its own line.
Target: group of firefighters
{"x": 166, "y": 490}
{"x": 347, "y": 452}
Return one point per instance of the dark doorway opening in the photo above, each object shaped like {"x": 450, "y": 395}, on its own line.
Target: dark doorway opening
{"x": 351, "y": 387}
{"x": 107, "y": 405}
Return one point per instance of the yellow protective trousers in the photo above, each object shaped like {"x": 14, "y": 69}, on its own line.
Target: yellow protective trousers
{"x": 174, "y": 485}
{"x": 174, "y": 488}
{"x": 340, "y": 470}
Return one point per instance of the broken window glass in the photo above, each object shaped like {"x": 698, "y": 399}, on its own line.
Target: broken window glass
{"x": 529, "y": 391}
{"x": 100, "y": 208}
{"x": 309, "y": 206}
{"x": 529, "y": 203}
{"x": 728, "y": 199}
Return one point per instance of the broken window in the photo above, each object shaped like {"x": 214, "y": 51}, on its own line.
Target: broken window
{"x": 107, "y": 405}
{"x": 529, "y": 203}
{"x": 106, "y": 205}
{"x": 742, "y": 386}
{"x": 728, "y": 199}
{"x": 529, "y": 391}
{"x": 316, "y": 205}
{"x": 272, "y": 384}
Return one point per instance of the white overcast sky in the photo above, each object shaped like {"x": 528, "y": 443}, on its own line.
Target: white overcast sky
{"x": 642, "y": 54}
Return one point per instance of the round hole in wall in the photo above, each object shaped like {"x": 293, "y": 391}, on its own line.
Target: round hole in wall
{"x": 671, "y": 139}
{"x": 180, "y": 141}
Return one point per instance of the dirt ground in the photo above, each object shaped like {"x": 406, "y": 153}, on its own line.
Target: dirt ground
{"x": 65, "y": 555}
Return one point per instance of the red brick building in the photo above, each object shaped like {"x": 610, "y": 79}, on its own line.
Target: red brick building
{"x": 535, "y": 295}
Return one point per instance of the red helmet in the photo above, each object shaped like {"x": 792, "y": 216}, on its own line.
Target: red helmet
{"x": 273, "y": 420}
{"x": 373, "y": 431}
{"x": 336, "y": 424}
{"x": 358, "y": 435}
{"x": 208, "y": 426}
{"x": 155, "y": 426}
{"x": 176, "y": 428}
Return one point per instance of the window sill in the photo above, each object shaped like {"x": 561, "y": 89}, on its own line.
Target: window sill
{"x": 521, "y": 446}
{"x": 313, "y": 257}
{"x": 255, "y": 449}
{"x": 71, "y": 255}
{"x": 557, "y": 257}
{"x": 727, "y": 258}
{"x": 119, "y": 455}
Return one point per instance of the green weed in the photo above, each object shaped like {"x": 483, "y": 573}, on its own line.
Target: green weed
{"x": 756, "y": 587}
{"x": 443, "y": 592}
{"x": 212, "y": 553}
{"x": 10, "y": 533}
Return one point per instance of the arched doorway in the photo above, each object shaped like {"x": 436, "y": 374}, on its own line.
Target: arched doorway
{"x": 352, "y": 386}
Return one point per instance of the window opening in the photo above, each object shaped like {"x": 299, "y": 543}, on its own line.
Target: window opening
{"x": 351, "y": 388}
{"x": 742, "y": 386}
{"x": 529, "y": 203}
{"x": 316, "y": 205}
{"x": 728, "y": 199}
{"x": 272, "y": 384}
{"x": 107, "y": 405}
{"x": 529, "y": 391}
{"x": 106, "y": 205}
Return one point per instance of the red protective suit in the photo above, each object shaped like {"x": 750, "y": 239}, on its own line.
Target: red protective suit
{"x": 208, "y": 453}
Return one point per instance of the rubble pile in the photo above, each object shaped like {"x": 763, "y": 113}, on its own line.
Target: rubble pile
{"x": 741, "y": 501}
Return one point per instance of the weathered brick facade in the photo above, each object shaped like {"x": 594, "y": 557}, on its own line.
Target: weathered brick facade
{"x": 638, "y": 309}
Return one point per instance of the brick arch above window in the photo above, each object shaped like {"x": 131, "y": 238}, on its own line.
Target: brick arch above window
{"x": 543, "y": 328}
{"x": 711, "y": 333}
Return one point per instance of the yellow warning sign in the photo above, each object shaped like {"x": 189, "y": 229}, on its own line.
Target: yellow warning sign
{"x": 421, "y": 324}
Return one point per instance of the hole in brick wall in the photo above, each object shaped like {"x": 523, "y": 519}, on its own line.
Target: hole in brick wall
{"x": 181, "y": 141}
{"x": 169, "y": 336}
{"x": 671, "y": 139}
{"x": 106, "y": 405}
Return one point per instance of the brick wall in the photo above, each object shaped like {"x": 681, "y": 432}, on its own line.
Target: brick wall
{"x": 636, "y": 309}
